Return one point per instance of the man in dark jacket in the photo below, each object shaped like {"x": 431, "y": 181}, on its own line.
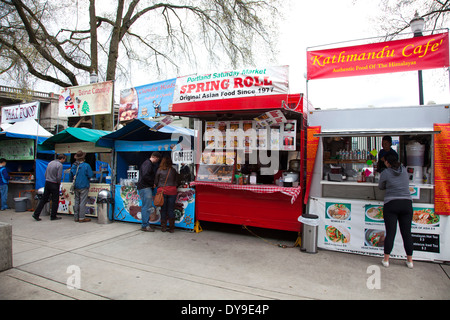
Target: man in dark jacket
{"x": 53, "y": 176}
{"x": 145, "y": 186}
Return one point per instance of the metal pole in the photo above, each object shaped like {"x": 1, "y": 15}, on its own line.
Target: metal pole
{"x": 420, "y": 34}
{"x": 420, "y": 88}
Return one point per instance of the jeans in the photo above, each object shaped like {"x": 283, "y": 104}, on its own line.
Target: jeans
{"x": 401, "y": 211}
{"x": 51, "y": 188}
{"x": 146, "y": 196}
{"x": 79, "y": 208}
{"x": 168, "y": 207}
{"x": 4, "y": 196}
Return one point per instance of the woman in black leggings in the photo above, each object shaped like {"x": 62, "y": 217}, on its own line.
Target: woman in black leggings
{"x": 397, "y": 207}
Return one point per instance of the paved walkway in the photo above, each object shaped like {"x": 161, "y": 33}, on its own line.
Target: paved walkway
{"x": 118, "y": 261}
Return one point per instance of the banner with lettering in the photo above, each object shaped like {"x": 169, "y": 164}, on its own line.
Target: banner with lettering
{"x": 20, "y": 112}
{"x": 418, "y": 53}
{"x": 228, "y": 90}
{"x": 442, "y": 169}
{"x": 88, "y": 100}
{"x": 146, "y": 101}
{"x": 311, "y": 153}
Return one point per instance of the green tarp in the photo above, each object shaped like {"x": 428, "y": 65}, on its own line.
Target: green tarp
{"x": 71, "y": 135}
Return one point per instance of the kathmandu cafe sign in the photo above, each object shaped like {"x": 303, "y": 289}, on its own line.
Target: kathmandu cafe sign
{"x": 419, "y": 53}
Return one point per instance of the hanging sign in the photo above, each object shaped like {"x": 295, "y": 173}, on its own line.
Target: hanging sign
{"x": 147, "y": 101}
{"x": 254, "y": 88}
{"x": 20, "y": 112}
{"x": 88, "y": 100}
{"x": 418, "y": 53}
{"x": 442, "y": 169}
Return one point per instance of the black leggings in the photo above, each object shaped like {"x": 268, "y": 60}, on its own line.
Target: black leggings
{"x": 401, "y": 211}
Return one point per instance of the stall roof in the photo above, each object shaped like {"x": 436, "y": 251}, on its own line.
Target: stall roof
{"x": 139, "y": 130}
{"x": 71, "y": 135}
{"x": 29, "y": 129}
{"x": 292, "y": 104}
{"x": 358, "y": 133}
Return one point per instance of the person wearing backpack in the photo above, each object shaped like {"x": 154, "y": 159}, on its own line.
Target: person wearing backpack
{"x": 4, "y": 180}
{"x": 80, "y": 172}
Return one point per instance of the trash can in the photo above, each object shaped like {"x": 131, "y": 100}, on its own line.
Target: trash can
{"x": 104, "y": 202}
{"x": 310, "y": 223}
{"x": 20, "y": 204}
{"x": 39, "y": 194}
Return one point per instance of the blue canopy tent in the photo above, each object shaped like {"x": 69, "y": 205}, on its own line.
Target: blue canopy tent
{"x": 139, "y": 130}
{"x": 132, "y": 145}
{"x": 22, "y": 166}
{"x": 137, "y": 137}
{"x": 30, "y": 130}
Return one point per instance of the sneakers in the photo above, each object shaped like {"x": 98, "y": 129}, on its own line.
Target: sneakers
{"x": 410, "y": 265}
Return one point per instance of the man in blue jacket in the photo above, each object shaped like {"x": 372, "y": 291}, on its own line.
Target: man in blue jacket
{"x": 80, "y": 172}
{"x": 4, "y": 180}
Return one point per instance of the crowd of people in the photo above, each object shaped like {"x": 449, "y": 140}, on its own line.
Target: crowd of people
{"x": 155, "y": 173}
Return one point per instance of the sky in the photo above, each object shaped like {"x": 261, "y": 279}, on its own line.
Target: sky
{"x": 342, "y": 21}
{"x": 316, "y": 23}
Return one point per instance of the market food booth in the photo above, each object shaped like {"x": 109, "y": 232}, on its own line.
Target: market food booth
{"x": 343, "y": 191}
{"x": 69, "y": 142}
{"x": 249, "y": 148}
{"x": 18, "y": 145}
{"x": 132, "y": 145}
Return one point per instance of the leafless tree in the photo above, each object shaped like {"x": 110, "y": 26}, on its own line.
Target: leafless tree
{"x": 63, "y": 41}
{"x": 399, "y": 13}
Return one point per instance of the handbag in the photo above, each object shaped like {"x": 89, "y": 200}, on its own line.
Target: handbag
{"x": 158, "y": 201}
{"x": 72, "y": 187}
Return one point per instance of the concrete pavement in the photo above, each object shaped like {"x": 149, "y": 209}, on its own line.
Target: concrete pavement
{"x": 67, "y": 260}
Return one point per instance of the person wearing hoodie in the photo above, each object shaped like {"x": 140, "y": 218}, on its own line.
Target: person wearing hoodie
{"x": 397, "y": 207}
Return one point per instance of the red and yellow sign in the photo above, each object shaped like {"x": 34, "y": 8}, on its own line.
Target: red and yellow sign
{"x": 311, "y": 152}
{"x": 442, "y": 169}
{"x": 419, "y": 53}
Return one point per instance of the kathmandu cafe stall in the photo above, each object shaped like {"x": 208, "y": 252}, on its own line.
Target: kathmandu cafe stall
{"x": 342, "y": 177}
{"x": 249, "y": 149}
{"x": 18, "y": 146}
{"x": 69, "y": 142}
{"x": 132, "y": 145}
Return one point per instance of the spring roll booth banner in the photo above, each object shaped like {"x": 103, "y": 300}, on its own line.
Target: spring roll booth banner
{"x": 136, "y": 141}
{"x": 350, "y": 212}
{"x": 248, "y": 100}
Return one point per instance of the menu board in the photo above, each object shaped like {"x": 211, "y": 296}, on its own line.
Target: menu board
{"x": 442, "y": 169}
{"x": 216, "y": 167}
{"x": 17, "y": 149}
{"x": 251, "y": 135}
{"x": 357, "y": 226}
